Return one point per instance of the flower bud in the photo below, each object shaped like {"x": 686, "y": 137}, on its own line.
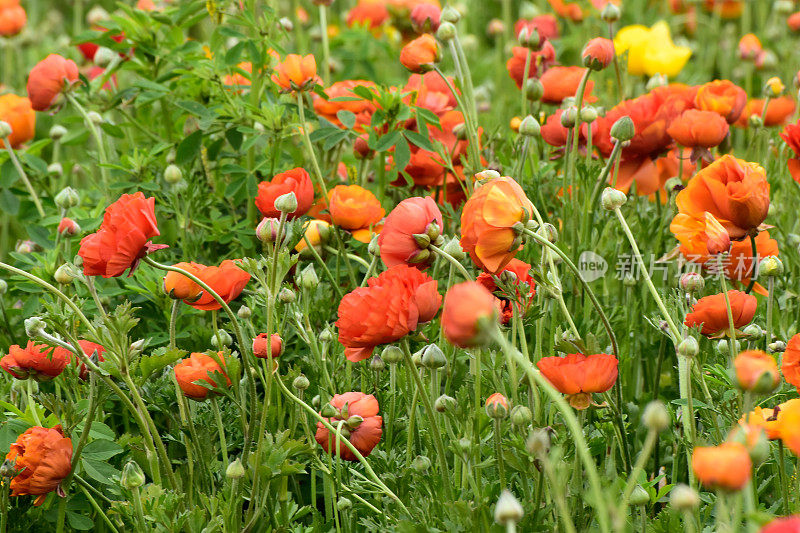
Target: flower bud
{"x": 286, "y": 203}
{"x": 325, "y": 336}
{"x": 639, "y": 496}
{"x": 392, "y": 354}
{"x": 446, "y": 31}
{"x": 610, "y": 13}
{"x": 433, "y": 357}
{"x": 598, "y": 53}
{"x": 753, "y": 332}
{"x": 521, "y": 415}
{"x": 688, "y": 347}
{"x": 329, "y": 411}
{"x": 623, "y": 129}
{"x": 774, "y": 87}
{"x": 222, "y": 338}
{"x": 104, "y": 56}
{"x": 244, "y": 312}
{"x": 534, "y": 90}
{"x": 421, "y": 464}
{"x": 34, "y": 326}
{"x": 286, "y": 24}
{"x": 57, "y": 132}
{"x": 724, "y": 348}
{"x": 267, "y": 229}
{"x": 453, "y": 248}
{"x": 496, "y": 406}
{"x": 776, "y": 347}
{"x": 286, "y": 295}
{"x": 771, "y": 266}
{"x": 376, "y": 363}
{"x": 530, "y": 127}
{"x": 508, "y": 509}
{"x": 656, "y": 417}
{"x": 96, "y": 15}
{"x": 173, "y": 174}
{"x": 684, "y": 498}
{"x": 301, "y": 382}
{"x": 67, "y": 197}
{"x": 132, "y": 476}
{"x": 5, "y": 129}
{"x": 569, "y": 116}
{"x": 95, "y": 118}
{"x": 235, "y": 470}
{"x": 613, "y": 199}
{"x": 55, "y": 169}
{"x": 343, "y": 504}
{"x": 755, "y": 121}
{"x": 450, "y": 14}
{"x": 444, "y": 403}
{"x": 308, "y": 277}
{"x": 588, "y": 114}
{"x": 656, "y": 81}
{"x": 692, "y": 282}
{"x": 64, "y": 274}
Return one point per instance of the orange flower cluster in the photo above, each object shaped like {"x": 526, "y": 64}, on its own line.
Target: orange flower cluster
{"x": 578, "y": 375}
{"x": 363, "y": 432}
{"x": 227, "y": 280}
{"x": 36, "y": 361}
{"x": 41, "y": 459}
{"x": 389, "y": 308}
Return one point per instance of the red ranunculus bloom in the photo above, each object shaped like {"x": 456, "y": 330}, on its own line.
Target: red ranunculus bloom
{"x": 89, "y": 348}
{"x": 389, "y": 308}
{"x": 509, "y": 303}
{"x": 791, "y": 134}
{"x": 41, "y": 458}
{"x": 364, "y": 433}
{"x": 36, "y": 361}
{"x": 47, "y": 79}
{"x": 578, "y": 375}
{"x": 227, "y": 280}
{"x": 194, "y": 374}
{"x": 295, "y": 180}
{"x": 712, "y": 312}
{"x": 412, "y": 216}
{"x": 264, "y": 350}
{"x": 468, "y": 314}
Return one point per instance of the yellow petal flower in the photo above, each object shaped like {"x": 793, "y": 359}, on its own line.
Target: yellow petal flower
{"x": 651, "y": 50}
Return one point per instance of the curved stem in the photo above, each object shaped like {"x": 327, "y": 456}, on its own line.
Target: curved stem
{"x": 453, "y": 261}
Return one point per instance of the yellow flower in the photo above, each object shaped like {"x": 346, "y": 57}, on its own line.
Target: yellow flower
{"x": 651, "y": 50}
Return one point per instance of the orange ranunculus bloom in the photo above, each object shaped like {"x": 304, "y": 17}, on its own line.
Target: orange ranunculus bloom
{"x": 727, "y": 9}
{"x": 367, "y": 14}
{"x": 412, "y": 216}
{"x": 36, "y": 361}
{"x": 316, "y": 231}
{"x": 790, "y": 134}
{"x": 778, "y": 111}
{"x": 694, "y": 128}
{"x": 41, "y": 458}
{"x": 750, "y": 46}
{"x": 237, "y": 79}
{"x": 578, "y": 375}
{"x": 734, "y": 191}
{"x": 712, "y": 313}
{"x": 353, "y": 207}
{"x": 490, "y": 223}
{"x": 540, "y": 61}
{"x": 295, "y": 180}
{"x": 389, "y": 308}
{"x": 562, "y": 82}
{"x": 511, "y": 303}
{"x": 296, "y": 73}
{"x": 227, "y": 280}
{"x": 421, "y": 54}
{"x": 48, "y": 78}
{"x": 756, "y": 371}
{"x": 18, "y": 113}
{"x": 430, "y": 92}
{"x": 468, "y": 314}
{"x": 264, "y": 350}
{"x": 89, "y": 348}
{"x": 723, "y": 97}
{"x": 598, "y": 53}
{"x": 568, "y": 10}
{"x": 327, "y": 108}
{"x": 545, "y": 25}
{"x": 790, "y": 362}
{"x": 727, "y": 466}
{"x": 793, "y": 21}
{"x": 702, "y": 233}
{"x": 195, "y": 374}
{"x": 12, "y": 18}
{"x": 364, "y": 435}
{"x": 180, "y": 287}
{"x": 764, "y": 418}
{"x": 788, "y": 423}
{"x": 123, "y": 238}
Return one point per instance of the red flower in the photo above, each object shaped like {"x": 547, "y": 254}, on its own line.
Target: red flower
{"x": 389, "y": 308}
{"x": 468, "y": 313}
{"x": 90, "y": 349}
{"x": 540, "y": 61}
{"x": 791, "y": 134}
{"x": 41, "y": 459}
{"x": 790, "y": 362}
{"x": 199, "y": 367}
{"x": 68, "y": 227}
{"x": 578, "y": 375}
{"x": 425, "y": 18}
{"x": 712, "y": 312}
{"x": 369, "y": 14}
{"x": 263, "y": 350}
{"x": 48, "y": 78}
{"x": 598, "y": 53}
{"x": 562, "y": 82}
{"x": 89, "y": 49}
{"x": 362, "y": 425}
{"x": 397, "y": 241}
{"x": 431, "y": 92}
{"x": 545, "y": 25}
{"x": 12, "y": 18}
{"x": 703, "y": 129}
{"x": 520, "y": 299}
{"x": 554, "y": 134}
{"x": 786, "y": 524}
{"x": 123, "y": 238}
{"x": 295, "y": 180}
{"x": 36, "y": 361}
{"x": 227, "y": 280}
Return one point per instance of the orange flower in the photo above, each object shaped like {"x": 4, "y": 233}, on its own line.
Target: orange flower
{"x": 790, "y": 362}
{"x": 694, "y": 128}
{"x": 36, "y": 361}
{"x": 712, "y": 313}
{"x": 727, "y": 466}
{"x": 196, "y": 374}
{"x": 788, "y": 423}
{"x": 491, "y": 223}
{"x": 316, "y": 231}
{"x": 540, "y": 61}
{"x": 764, "y": 418}
{"x": 227, "y": 280}
{"x": 363, "y": 432}
{"x": 367, "y": 14}
{"x": 793, "y": 21}
{"x": 778, "y": 111}
{"x": 353, "y": 207}
{"x": 598, "y": 53}
{"x": 703, "y": 233}
{"x": 790, "y": 134}
{"x": 750, "y": 46}
{"x": 295, "y": 180}
{"x": 578, "y": 375}
{"x": 179, "y": 287}
{"x": 18, "y": 113}
{"x": 68, "y": 227}
{"x": 734, "y": 191}
{"x": 430, "y": 92}
{"x": 90, "y": 349}
{"x": 785, "y": 524}
{"x": 237, "y": 79}
{"x": 123, "y": 238}
{"x": 296, "y": 73}
{"x": 727, "y": 9}
{"x": 756, "y": 371}
{"x": 510, "y": 303}
{"x": 329, "y": 106}
{"x": 468, "y": 314}
{"x": 12, "y": 18}
{"x": 263, "y": 350}
{"x": 570, "y": 10}
{"x": 562, "y": 82}
{"x": 41, "y": 459}
{"x": 48, "y": 79}
{"x": 723, "y": 97}
{"x": 421, "y": 54}
{"x": 389, "y": 308}
{"x": 399, "y": 242}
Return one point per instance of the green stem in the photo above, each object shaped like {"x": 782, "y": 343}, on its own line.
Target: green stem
{"x": 223, "y": 444}
{"x": 101, "y": 150}
{"x": 24, "y": 177}
{"x": 647, "y": 449}
{"x": 310, "y": 147}
{"x": 453, "y": 261}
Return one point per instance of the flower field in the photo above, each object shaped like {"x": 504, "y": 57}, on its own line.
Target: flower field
{"x": 399, "y": 265}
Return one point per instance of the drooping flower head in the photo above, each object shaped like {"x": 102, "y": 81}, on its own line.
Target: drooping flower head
{"x": 712, "y": 313}
{"x": 195, "y": 374}
{"x": 37, "y": 361}
{"x": 578, "y": 375}
{"x": 362, "y": 425}
{"x": 295, "y": 180}
{"x": 227, "y": 280}
{"x": 408, "y": 230}
{"x": 48, "y": 79}
{"x": 41, "y": 458}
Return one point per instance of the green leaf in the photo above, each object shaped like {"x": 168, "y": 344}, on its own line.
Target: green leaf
{"x": 79, "y": 522}
{"x": 99, "y": 471}
{"x": 101, "y": 450}
{"x": 159, "y": 359}
{"x": 387, "y": 141}
{"x": 8, "y": 174}
{"x": 402, "y": 154}
{"x": 234, "y": 137}
{"x": 189, "y": 148}
{"x": 420, "y": 140}
{"x": 348, "y": 118}
{"x": 9, "y": 203}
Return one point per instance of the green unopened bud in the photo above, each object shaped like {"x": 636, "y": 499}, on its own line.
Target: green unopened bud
{"x": 657, "y": 80}
{"x": 450, "y": 14}
{"x": 770, "y": 267}
{"x": 755, "y": 121}
{"x": 286, "y": 203}
{"x": 222, "y": 338}
{"x": 421, "y": 464}
{"x": 325, "y": 336}
{"x": 610, "y": 13}
{"x": 354, "y": 421}
{"x": 65, "y": 274}
{"x": 132, "y": 476}
{"x": 588, "y": 114}
{"x": 55, "y": 169}
{"x": 235, "y": 470}
{"x": 373, "y": 248}
{"x": 286, "y": 295}
{"x": 433, "y": 357}
{"x": 104, "y": 56}
{"x": 173, "y": 174}
{"x": 639, "y": 496}
{"x": 684, "y": 498}
{"x": 656, "y": 417}
{"x": 5, "y": 129}
{"x": 34, "y": 326}
{"x": 95, "y": 118}
{"x": 569, "y": 116}
{"x": 613, "y": 199}
{"x": 67, "y": 197}
{"x": 392, "y": 354}
{"x": 376, "y": 364}
{"x": 692, "y": 282}
{"x": 487, "y": 174}
{"x": 753, "y": 332}
{"x": 3, "y": 287}
{"x": 453, "y": 247}
{"x": 446, "y": 31}
{"x": 724, "y": 348}
{"x": 422, "y": 240}
{"x": 534, "y": 89}
{"x": 444, "y": 403}
{"x": 521, "y": 415}
{"x": 301, "y": 382}
{"x": 308, "y": 277}
{"x": 329, "y": 411}
{"x": 623, "y": 129}
{"x": 530, "y": 127}
{"x": 57, "y": 132}
{"x": 508, "y": 509}
{"x": 244, "y": 312}
{"x": 343, "y": 504}
{"x": 688, "y": 347}
{"x": 776, "y": 347}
